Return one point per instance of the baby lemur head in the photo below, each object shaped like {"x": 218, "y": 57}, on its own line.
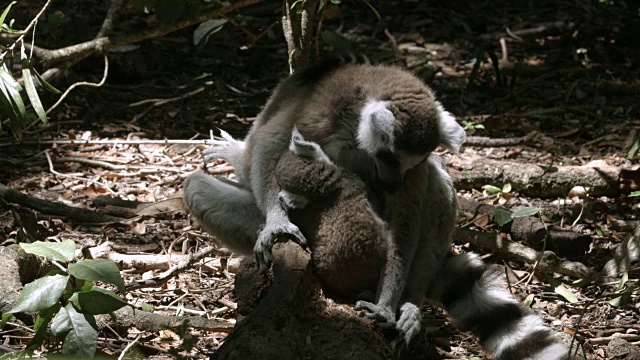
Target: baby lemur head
{"x": 401, "y": 123}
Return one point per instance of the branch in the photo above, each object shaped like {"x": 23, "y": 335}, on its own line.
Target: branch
{"x": 25, "y": 31}
{"x": 101, "y": 44}
{"x": 107, "y": 24}
{"x": 298, "y": 30}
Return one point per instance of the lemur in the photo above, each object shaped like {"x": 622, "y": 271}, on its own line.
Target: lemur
{"x": 381, "y": 123}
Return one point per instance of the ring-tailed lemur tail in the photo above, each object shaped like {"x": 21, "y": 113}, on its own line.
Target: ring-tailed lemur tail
{"x": 471, "y": 293}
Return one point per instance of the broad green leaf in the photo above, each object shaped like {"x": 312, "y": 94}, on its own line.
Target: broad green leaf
{"x": 43, "y": 82}
{"x": 40, "y": 327}
{"x": 62, "y": 251}
{"x": 525, "y": 211}
{"x": 492, "y": 190}
{"x": 40, "y": 294}
{"x": 565, "y": 293}
{"x": 506, "y": 188}
{"x": 98, "y": 270}
{"x": 80, "y": 329}
{"x": 97, "y": 301}
{"x": 6, "y": 12}
{"x": 634, "y": 194}
{"x": 502, "y": 216}
{"x": 29, "y": 85}
{"x": 206, "y": 29}
{"x": 529, "y": 300}
{"x": 616, "y": 302}
{"x": 8, "y": 106}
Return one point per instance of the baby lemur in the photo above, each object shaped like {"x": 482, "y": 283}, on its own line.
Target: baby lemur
{"x": 348, "y": 240}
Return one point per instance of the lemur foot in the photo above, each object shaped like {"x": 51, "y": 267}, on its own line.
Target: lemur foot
{"x": 271, "y": 233}
{"x": 408, "y": 325}
{"x": 223, "y": 149}
{"x": 384, "y": 317}
{"x": 291, "y": 201}
{"x": 308, "y": 149}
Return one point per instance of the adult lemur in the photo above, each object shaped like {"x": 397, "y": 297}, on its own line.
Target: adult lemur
{"x": 382, "y": 124}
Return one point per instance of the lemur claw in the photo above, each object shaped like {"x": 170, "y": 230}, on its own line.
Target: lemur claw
{"x": 269, "y": 236}
{"x": 385, "y": 318}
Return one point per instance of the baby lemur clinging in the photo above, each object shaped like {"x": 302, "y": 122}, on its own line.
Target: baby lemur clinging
{"x": 348, "y": 241}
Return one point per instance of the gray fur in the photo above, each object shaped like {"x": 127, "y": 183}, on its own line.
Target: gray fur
{"x": 420, "y": 214}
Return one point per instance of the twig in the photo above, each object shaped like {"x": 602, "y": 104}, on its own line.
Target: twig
{"x": 83, "y": 83}
{"x": 160, "y": 102}
{"x": 53, "y": 171}
{"x": 25, "y": 31}
{"x": 109, "y": 142}
{"x": 129, "y": 345}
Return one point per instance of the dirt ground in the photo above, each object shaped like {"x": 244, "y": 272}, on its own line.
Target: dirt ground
{"x": 573, "y": 82}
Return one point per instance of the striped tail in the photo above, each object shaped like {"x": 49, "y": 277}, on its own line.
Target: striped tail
{"x": 477, "y": 303}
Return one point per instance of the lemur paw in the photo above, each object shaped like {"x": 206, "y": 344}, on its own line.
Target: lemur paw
{"x": 291, "y": 201}
{"x": 308, "y": 149}
{"x": 408, "y": 324}
{"x": 222, "y": 149}
{"x": 384, "y": 317}
{"x": 268, "y": 237}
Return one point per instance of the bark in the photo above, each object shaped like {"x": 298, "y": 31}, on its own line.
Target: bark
{"x": 536, "y": 181}
{"x": 294, "y": 320}
{"x": 73, "y": 214}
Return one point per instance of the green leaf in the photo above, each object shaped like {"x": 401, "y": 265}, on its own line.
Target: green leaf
{"x": 40, "y": 327}
{"x": 13, "y": 89}
{"x": 565, "y": 293}
{"x": 11, "y": 111}
{"x": 30, "y": 86}
{"x": 43, "y": 82}
{"x": 5, "y": 318}
{"x": 98, "y": 270}
{"x": 506, "y": 188}
{"x": 6, "y": 12}
{"x": 206, "y": 29}
{"x": 525, "y": 211}
{"x": 502, "y": 216}
{"x": 634, "y": 194}
{"x": 62, "y": 251}
{"x": 97, "y": 301}
{"x": 492, "y": 190}
{"x": 80, "y": 329}
{"x": 40, "y": 294}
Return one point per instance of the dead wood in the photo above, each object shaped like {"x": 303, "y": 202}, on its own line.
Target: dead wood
{"x": 535, "y": 180}
{"x": 547, "y": 260}
{"x": 295, "y": 321}
{"x": 483, "y": 141}
{"x": 142, "y": 263}
{"x": 127, "y": 317}
{"x": 532, "y": 231}
{"x": 73, "y": 214}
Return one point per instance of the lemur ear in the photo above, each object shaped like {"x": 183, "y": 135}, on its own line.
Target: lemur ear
{"x": 375, "y": 130}
{"x": 451, "y": 133}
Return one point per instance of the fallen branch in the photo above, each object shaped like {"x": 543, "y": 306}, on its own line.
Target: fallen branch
{"x": 73, "y": 214}
{"x": 142, "y": 263}
{"x": 108, "y": 142}
{"x": 538, "y": 181}
{"x": 152, "y": 322}
{"x": 482, "y": 141}
{"x": 548, "y": 262}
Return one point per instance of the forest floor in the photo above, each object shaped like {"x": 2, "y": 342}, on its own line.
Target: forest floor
{"x": 572, "y": 84}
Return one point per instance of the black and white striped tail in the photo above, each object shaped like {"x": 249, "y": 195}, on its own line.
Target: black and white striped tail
{"x": 477, "y": 303}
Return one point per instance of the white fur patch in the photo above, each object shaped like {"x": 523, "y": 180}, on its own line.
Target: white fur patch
{"x": 556, "y": 351}
{"x": 375, "y": 129}
{"x": 512, "y": 335}
{"x": 451, "y": 133}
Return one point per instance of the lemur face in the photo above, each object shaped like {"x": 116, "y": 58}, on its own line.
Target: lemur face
{"x": 399, "y": 139}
